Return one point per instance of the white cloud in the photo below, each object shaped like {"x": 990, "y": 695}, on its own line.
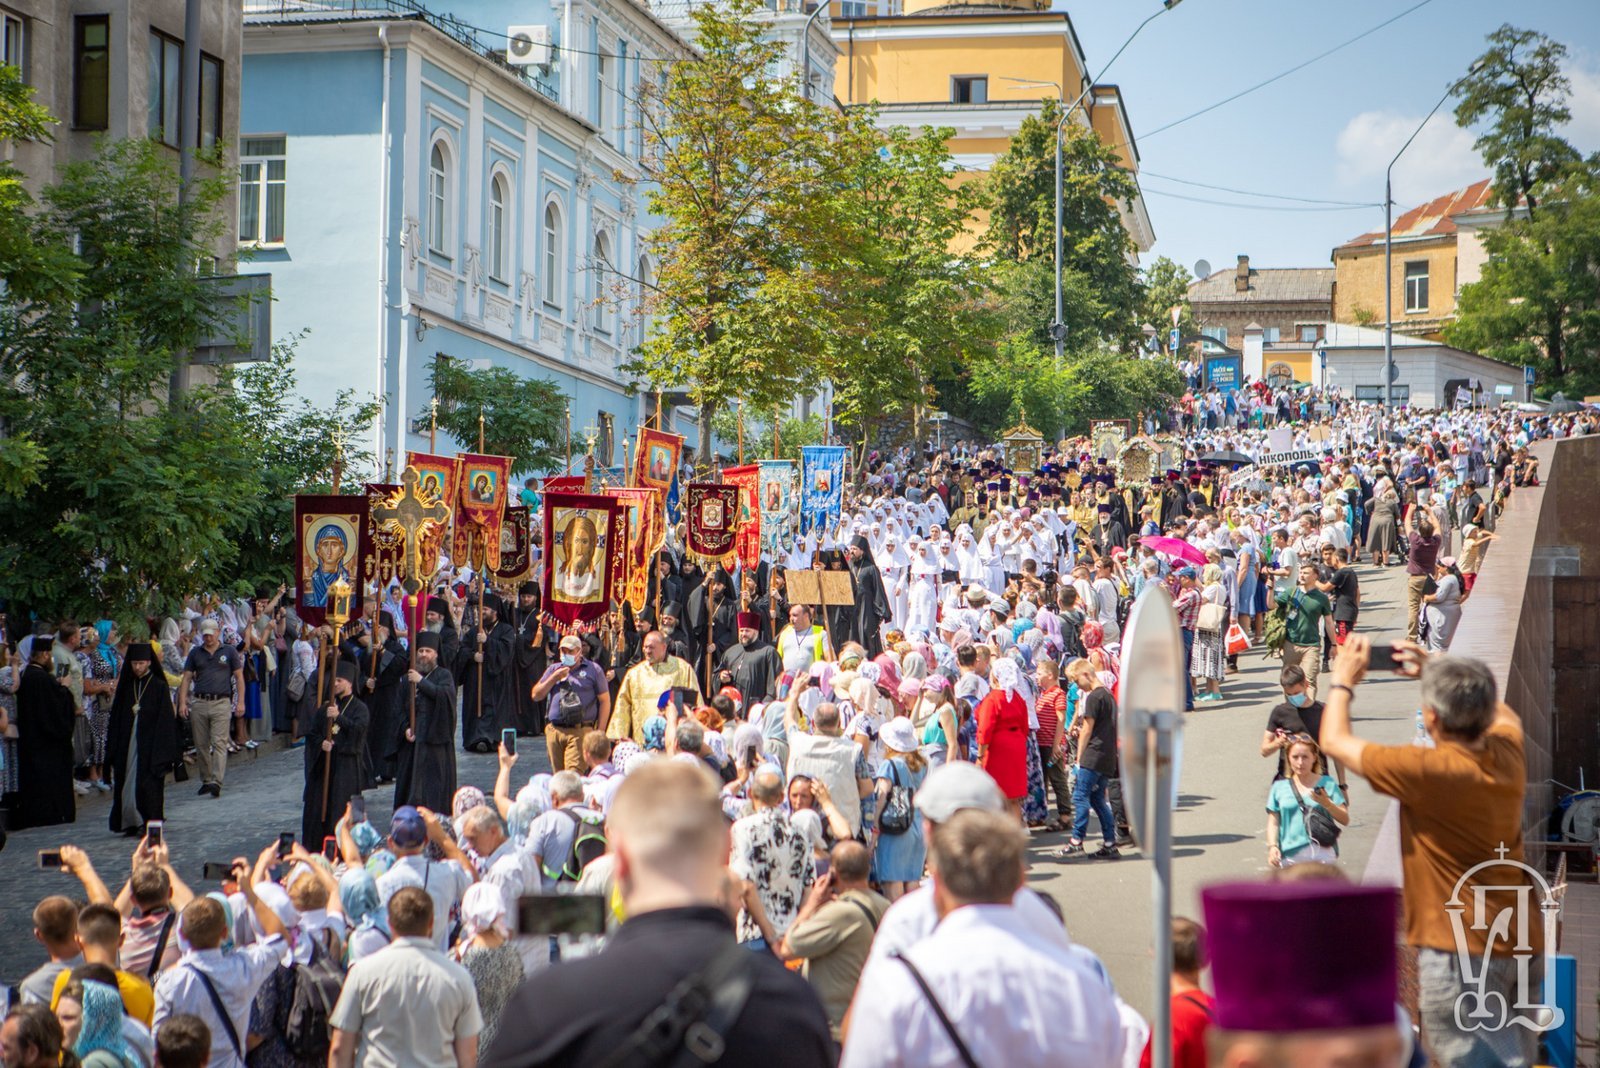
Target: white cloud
{"x": 1584, "y": 129}
{"x": 1439, "y": 160}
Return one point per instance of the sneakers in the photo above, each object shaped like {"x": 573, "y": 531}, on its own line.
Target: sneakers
{"x": 252, "y": 744}
{"x": 101, "y": 785}
{"x": 1105, "y": 852}
{"x": 80, "y": 787}
{"x": 1070, "y": 851}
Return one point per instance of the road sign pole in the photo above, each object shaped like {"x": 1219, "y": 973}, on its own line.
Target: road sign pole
{"x": 1161, "y": 772}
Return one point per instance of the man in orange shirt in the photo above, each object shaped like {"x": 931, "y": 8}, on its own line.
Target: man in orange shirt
{"x": 1460, "y": 848}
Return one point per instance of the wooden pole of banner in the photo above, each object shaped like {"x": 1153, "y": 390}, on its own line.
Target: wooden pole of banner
{"x": 338, "y": 457}
{"x": 414, "y": 630}
{"x": 373, "y": 646}
{"x": 776, "y": 411}
{"x": 327, "y": 758}
{"x": 741, "y": 433}
{"x": 477, "y": 558}
{"x": 711, "y": 614}
{"x": 433, "y": 422}
{"x": 322, "y": 668}
{"x": 480, "y": 429}
{"x": 569, "y": 438}
{"x": 658, "y": 409}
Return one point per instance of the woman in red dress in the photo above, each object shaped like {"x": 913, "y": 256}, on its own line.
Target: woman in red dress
{"x": 1003, "y": 735}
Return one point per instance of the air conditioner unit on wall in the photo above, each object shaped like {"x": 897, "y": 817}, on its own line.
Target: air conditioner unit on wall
{"x": 528, "y": 46}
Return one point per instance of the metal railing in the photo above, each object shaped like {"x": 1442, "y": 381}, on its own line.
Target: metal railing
{"x": 464, "y": 33}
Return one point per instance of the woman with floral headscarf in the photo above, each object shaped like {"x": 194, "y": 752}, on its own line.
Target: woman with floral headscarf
{"x": 934, "y": 716}
{"x": 1002, "y": 734}
{"x": 96, "y": 1037}
{"x": 1104, "y": 660}
{"x": 487, "y": 954}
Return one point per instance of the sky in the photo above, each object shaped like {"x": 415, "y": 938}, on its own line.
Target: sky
{"x": 1325, "y": 132}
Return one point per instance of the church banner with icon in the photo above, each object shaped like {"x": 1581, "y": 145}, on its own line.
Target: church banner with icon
{"x": 382, "y": 552}
{"x": 777, "y": 504}
{"x": 712, "y": 510}
{"x": 656, "y": 463}
{"x": 585, "y": 540}
{"x": 821, "y": 484}
{"x": 516, "y": 541}
{"x": 481, "y": 507}
{"x": 441, "y": 477}
{"x": 562, "y": 484}
{"x": 642, "y": 507}
{"x": 747, "y": 542}
{"x": 328, "y": 534}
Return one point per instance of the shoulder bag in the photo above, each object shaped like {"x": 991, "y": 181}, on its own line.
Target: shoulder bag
{"x": 896, "y": 818}
{"x": 687, "y": 1028}
{"x": 1320, "y": 826}
{"x": 967, "y": 1059}
{"x": 1211, "y": 616}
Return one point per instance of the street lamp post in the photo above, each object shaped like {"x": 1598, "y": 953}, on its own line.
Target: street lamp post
{"x": 805, "y": 48}
{"x": 1058, "y": 329}
{"x": 1388, "y": 244}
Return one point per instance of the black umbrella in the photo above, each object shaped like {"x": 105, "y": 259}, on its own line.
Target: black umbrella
{"x": 1238, "y": 459}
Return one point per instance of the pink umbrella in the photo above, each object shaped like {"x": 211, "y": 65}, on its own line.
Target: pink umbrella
{"x": 1175, "y": 547}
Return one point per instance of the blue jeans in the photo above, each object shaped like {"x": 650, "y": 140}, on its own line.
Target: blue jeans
{"x": 1188, "y": 679}
{"x": 1089, "y": 791}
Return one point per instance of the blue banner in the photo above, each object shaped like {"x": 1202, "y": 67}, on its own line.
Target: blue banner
{"x": 821, "y": 484}
{"x": 1225, "y": 372}
{"x": 674, "y": 513}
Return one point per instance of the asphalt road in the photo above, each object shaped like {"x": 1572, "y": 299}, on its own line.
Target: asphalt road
{"x": 1219, "y": 828}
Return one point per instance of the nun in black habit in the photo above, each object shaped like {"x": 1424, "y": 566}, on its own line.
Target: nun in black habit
{"x": 427, "y": 761}
{"x": 141, "y": 741}
{"x": 46, "y": 715}
{"x": 495, "y": 642}
{"x": 337, "y": 734}
{"x": 872, "y": 603}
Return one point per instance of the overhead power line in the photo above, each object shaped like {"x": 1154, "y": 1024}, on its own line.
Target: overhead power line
{"x": 1253, "y": 207}
{"x": 1284, "y": 74}
{"x": 1143, "y": 174}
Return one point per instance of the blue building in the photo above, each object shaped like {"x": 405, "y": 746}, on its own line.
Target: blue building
{"x": 417, "y": 193}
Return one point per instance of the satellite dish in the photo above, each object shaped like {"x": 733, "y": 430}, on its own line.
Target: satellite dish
{"x": 1202, "y": 268}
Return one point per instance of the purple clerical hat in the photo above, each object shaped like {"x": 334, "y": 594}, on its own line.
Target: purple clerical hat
{"x": 1301, "y": 956}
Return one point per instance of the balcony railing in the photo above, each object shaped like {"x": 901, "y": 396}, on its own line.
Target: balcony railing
{"x": 484, "y": 43}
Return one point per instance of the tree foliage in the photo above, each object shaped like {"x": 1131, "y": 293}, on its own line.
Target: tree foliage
{"x": 134, "y": 501}
{"x": 1538, "y": 299}
{"x": 740, "y": 172}
{"x": 1166, "y": 286}
{"x": 524, "y": 418}
{"x": 1098, "y": 273}
{"x": 793, "y": 435}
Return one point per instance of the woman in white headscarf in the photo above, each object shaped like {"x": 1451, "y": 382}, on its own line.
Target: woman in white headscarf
{"x": 968, "y": 560}
{"x": 486, "y": 952}
{"x": 923, "y": 601}
{"x": 992, "y": 554}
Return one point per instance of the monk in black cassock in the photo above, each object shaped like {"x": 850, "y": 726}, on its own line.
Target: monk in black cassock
{"x": 380, "y": 692}
{"x": 336, "y": 735}
{"x": 141, "y": 741}
{"x": 872, "y": 604}
{"x": 680, "y": 642}
{"x": 493, "y": 644}
{"x": 427, "y": 760}
{"x": 46, "y": 713}
{"x": 438, "y": 619}
{"x": 532, "y": 657}
{"x": 752, "y": 666}
{"x": 1174, "y": 506}
{"x": 1108, "y": 534}
{"x": 715, "y": 600}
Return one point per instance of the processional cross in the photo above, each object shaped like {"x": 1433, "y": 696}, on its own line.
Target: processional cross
{"x": 414, "y": 512}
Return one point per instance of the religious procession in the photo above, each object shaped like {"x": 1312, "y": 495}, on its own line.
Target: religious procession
{"x": 831, "y": 755}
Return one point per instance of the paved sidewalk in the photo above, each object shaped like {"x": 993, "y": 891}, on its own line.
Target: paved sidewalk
{"x": 1219, "y": 830}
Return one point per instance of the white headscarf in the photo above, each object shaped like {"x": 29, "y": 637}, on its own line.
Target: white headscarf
{"x": 484, "y": 909}
{"x": 1007, "y": 677}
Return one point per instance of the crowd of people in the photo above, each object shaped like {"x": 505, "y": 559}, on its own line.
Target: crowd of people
{"x": 779, "y": 830}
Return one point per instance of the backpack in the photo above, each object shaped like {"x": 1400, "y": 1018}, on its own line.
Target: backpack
{"x": 306, "y": 1006}
{"x": 896, "y": 817}
{"x": 588, "y": 844}
{"x": 1277, "y": 629}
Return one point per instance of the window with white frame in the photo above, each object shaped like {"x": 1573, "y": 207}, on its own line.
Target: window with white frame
{"x": 1417, "y": 286}
{"x": 12, "y": 46}
{"x": 552, "y": 236}
{"x": 606, "y": 68}
{"x": 499, "y": 228}
{"x": 1270, "y": 334}
{"x": 263, "y": 187}
{"x": 165, "y": 88}
{"x": 602, "y": 271}
{"x": 1308, "y": 331}
{"x": 439, "y": 199}
{"x": 646, "y": 279}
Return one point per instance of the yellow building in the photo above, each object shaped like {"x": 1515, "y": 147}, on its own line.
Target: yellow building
{"x": 1435, "y": 250}
{"x": 979, "y": 69}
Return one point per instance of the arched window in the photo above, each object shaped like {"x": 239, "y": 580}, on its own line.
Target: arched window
{"x": 552, "y": 255}
{"x": 605, "y": 314}
{"x": 1280, "y": 376}
{"x": 642, "y": 292}
{"x": 499, "y": 268}
{"x": 439, "y": 199}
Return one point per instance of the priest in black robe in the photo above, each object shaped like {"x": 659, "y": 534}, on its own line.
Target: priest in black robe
{"x": 872, "y": 603}
{"x": 752, "y": 666}
{"x": 439, "y": 620}
{"x": 141, "y": 741}
{"x": 486, "y": 665}
{"x": 427, "y": 761}
{"x": 532, "y": 657}
{"x": 1174, "y": 507}
{"x": 680, "y": 642}
{"x": 713, "y": 617}
{"x": 1108, "y": 533}
{"x": 336, "y": 748}
{"x": 380, "y": 691}
{"x": 46, "y": 714}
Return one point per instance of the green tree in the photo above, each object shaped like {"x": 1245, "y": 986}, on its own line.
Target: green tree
{"x": 1535, "y": 302}
{"x": 740, "y": 172}
{"x": 295, "y": 442}
{"x": 1517, "y": 92}
{"x": 909, "y": 310}
{"x": 524, "y": 418}
{"x": 1538, "y": 300}
{"x": 135, "y": 501}
{"x": 1166, "y": 286}
{"x": 793, "y": 435}
{"x": 1101, "y": 288}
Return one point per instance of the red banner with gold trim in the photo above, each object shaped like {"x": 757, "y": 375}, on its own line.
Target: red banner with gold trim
{"x": 747, "y": 540}
{"x": 712, "y": 511}
{"x": 585, "y": 540}
{"x": 643, "y": 509}
{"x": 656, "y": 462}
{"x": 480, "y": 508}
{"x": 441, "y": 474}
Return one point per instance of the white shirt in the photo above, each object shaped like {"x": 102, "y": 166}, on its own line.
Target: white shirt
{"x": 444, "y": 881}
{"x": 985, "y": 963}
{"x": 914, "y": 916}
{"x": 235, "y": 976}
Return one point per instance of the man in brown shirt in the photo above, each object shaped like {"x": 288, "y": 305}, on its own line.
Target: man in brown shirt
{"x": 834, "y": 929}
{"x": 1461, "y": 808}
